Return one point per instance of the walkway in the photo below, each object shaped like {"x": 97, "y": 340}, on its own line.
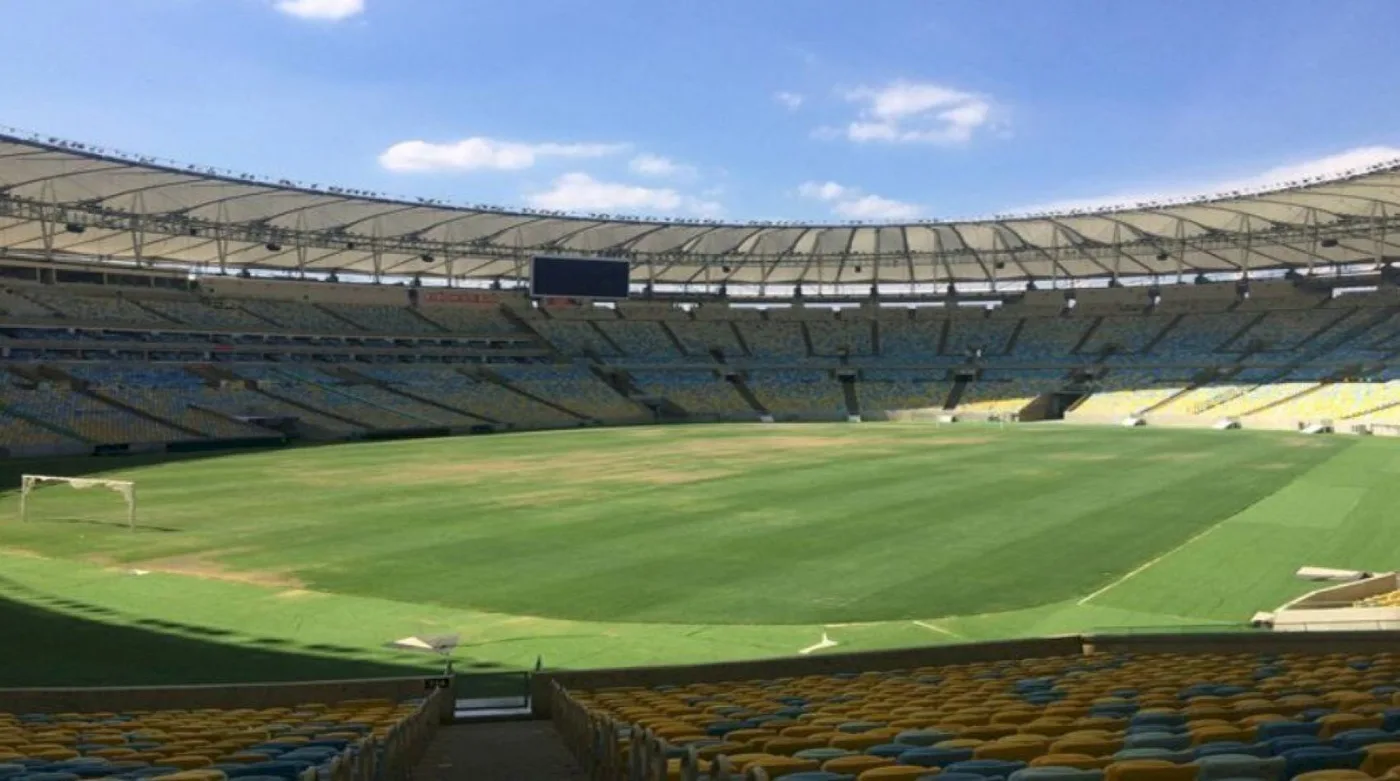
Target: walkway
{"x": 498, "y": 751}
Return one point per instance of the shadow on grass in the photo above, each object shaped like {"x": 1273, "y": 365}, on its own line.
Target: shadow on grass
{"x": 137, "y": 527}
{"x": 62, "y": 642}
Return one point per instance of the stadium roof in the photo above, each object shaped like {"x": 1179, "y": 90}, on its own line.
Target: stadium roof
{"x": 62, "y": 197}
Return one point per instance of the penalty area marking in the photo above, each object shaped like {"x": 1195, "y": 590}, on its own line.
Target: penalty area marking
{"x": 826, "y": 642}
{"x": 1148, "y": 565}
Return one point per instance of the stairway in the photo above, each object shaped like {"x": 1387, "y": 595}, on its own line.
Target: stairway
{"x": 739, "y": 337}
{"x": 1162, "y": 334}
{"x": 742, "y": 388}
{"x": 1294, "y": 397}
{"x": 1015, "y": 335}
{"x": 485, "y": 374}
{"x": 848, "y": 389}
{"x": 1089, "y": 334}
{"x": 353, "y": 375}
{"x": 955, "y": 393}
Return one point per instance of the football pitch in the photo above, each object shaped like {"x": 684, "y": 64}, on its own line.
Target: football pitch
{"x": 609, "y": 547}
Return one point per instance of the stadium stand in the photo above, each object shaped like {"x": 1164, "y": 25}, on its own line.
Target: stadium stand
{"x": 799, "y": 392}
{"x": 890, "y": 390}
{"x": 700, "y": 393}
{"x": 576, "y": 389}
{"x": 1124, "y": 717}
{"x": 642, "y": 340}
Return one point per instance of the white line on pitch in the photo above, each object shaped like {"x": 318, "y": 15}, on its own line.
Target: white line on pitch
{"x": 826, "y": 642}
{"x": 1139, "y": 570}
{"x": 937, "y": 628}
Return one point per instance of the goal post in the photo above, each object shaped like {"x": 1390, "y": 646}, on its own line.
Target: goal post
{"x": 124, "y": 487}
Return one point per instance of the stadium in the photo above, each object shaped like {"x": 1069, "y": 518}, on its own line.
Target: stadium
{"x": 307, "y": 482}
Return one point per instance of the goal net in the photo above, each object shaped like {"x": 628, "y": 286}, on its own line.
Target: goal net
{"x": 30, "y": 483}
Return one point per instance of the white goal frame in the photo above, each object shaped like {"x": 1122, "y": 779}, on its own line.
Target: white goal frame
{"x": 124, "y": 487}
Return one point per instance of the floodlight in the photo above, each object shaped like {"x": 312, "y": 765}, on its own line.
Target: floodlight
{"x": 1329, "y": 243}
{"x": 273, "y": 246}
{"x": 74, "y": 227}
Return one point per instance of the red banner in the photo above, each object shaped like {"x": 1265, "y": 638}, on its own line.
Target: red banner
{"x": 460, "y": 298}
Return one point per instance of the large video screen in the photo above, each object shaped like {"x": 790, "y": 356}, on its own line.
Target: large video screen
{"x": 578, "y": 277}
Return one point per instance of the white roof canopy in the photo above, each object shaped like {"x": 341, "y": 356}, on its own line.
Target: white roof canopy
{"x": 68, "y": 198}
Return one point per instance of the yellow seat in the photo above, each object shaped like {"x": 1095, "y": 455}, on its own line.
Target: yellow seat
{"x": 195, "y": 775}
{"x": 786, "y": 746}
{"x": 855, "y": 764}
{"x": 1149, "y": 770}
{"x": 777, "y": 767}
{"x": 1080, "y": 761}
{"x": 1022, "y": 751}
{"x": 858, "y": 742}
{"x": 897, "y": 773}
{"x": 1381, "y": 758}
{"x": 1091, "y": 746}
{"x": 187, "y": 761}
{"x": 1332, "y": 775}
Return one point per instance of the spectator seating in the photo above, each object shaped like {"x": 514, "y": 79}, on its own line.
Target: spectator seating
{"x": 642, "y": 340}
{"x": 322, "y": 394}
{"x": 911, "y": 341}
{"x": 87, "y": 417}
{"x": 1050, "y": 339}
{"x": 1286, "y": 329}
{"x": 999, "y": 394}
{"x": 775, "y": 341}
{"x": 193, "y": 745}
{"x": 18, "y": 432}
{"x": 470, "y": 321}
{"x": 1104, "y": 717}
{"x": 575, "y": 338}
{"x": 840, "y": 337}
{"x": 384, "y": 319}
{"x": 105, "y": 310}
{"x": 969, "y": 333}
{"x": 577, "y": 389}
{"x": 888, "y": 390}
{"x": 1202, "y": 334}
{"x": 698, "y": 392}
{"x": 700, "y": 336}
{"x": 207, "y": 315}
{"x": 297, "y": 315}
{"x": 799, "y": 392}
{"x": 1128, "y": 333}
{"x": 15, "y": 306}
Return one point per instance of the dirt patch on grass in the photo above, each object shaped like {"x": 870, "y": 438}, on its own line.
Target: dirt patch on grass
{"x": 1176, "y": 457}
{"x": 24, "y": 553}
{"x": 679, "y": 477}
{"x": 1082, "y": 457}
{"x": 298, "y": 593}
{"x": 203, "y": 567}
{"x": 1275, "y": 466}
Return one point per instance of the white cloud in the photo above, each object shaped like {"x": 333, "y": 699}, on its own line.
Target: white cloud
{"x": 791, "y": 101}
{"x": 658, "y": 166}
{"x": 329, "y": 10}
{"x": 852, "y": 204}
{"x": 580, "y": 192}
{"x": 1278, "y": 176}
{"x": 915, "y": 112}
{"x": 475, "y": 154}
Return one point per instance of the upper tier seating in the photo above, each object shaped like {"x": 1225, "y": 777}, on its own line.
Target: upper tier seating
{"x": 470, "y": 321}
{"x": 1150, "y": 717}
{"x": 1202, "y": 334}
{"x": 967, "y": 334}
{"x": 384, "y": 319}
{"x": 1285, "y": 330}
{"x": 700, "y": 336}
{"x": 1050, "y": 339}
{"x": 207, "y": 315}
{"x": 575, "y": 338}
{"x": 15, "y": 306}
{"x": 104, "y": 310}
{"x": 297, "y": 315}
{"x": 643, "y": 340}
{"x": 1127, "y": 333}
{"x": 837, "y": 337}
{"x": 775, "y": 340}
{"x": 910, "y": 340}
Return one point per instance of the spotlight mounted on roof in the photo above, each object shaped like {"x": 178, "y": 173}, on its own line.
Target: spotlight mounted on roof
{"x": 1163, "y": 256}
{"x": 1242, "y": 290}
{"x": 426, "y": 258}
{"x": 273, "y": 246}
{"x": 74, "y": 227}
{"x": 1328, "y": 243}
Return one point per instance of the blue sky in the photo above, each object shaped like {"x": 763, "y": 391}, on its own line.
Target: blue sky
{"x": 756, "y": 109}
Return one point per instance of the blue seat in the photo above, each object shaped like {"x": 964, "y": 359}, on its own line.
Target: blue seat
{"x": 1305, "y": 760}
{"x": 822, "y": 754}
{"x": 987, "y": 768}
{"x": 1166, "y": 754}
{"x": 1157, "y": 720}
{"x": 1290, "y": 742}
{"x": 1218, "y": 767}
{"x": 1279, "y": 729}
{"x": 888, "y": 750}
{"x": 817, "y": 775}
{"x": 922, "y": 737}
{"x": 1234, "y": 747}
{"x": 934, "y": 756}
{"x": 1357, "y": 738}
{"x": 1055, "y": 773}
{"x": 965, "y": 777}
{"x": 1166, "y": 740}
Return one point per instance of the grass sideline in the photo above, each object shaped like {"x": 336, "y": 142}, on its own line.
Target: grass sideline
{"x": 676, "y": 544}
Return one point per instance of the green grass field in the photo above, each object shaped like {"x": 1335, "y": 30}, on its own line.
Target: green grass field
{"x": 673, "y": 544}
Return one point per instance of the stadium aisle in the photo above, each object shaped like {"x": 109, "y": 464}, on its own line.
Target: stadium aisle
{"x": 498, "y": 751}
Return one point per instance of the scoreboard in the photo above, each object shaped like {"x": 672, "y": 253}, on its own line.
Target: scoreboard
{"x": 596, "y": 278}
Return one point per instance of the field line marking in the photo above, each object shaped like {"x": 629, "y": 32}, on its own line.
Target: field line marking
{"x": 826, "y": 642}
{"x": 938, "y": 629}
{"x": 1149, "y": 564}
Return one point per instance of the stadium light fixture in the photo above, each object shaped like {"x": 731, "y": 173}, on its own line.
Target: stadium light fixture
{"x": 273, "y": 246}
{"x": 1242, "y": 290}
{"x": 74, "y": 227}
